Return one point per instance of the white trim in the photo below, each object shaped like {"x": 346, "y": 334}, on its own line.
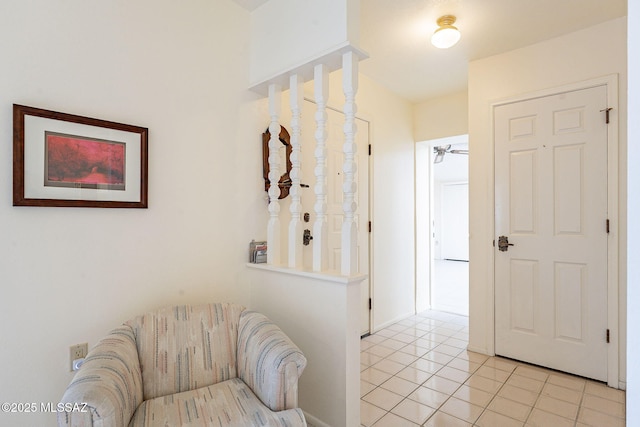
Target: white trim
{"x": 415, "y": 230}
{"x": 491, "y": 225}
{"x": 392, "y": 321}
{"x": 370, "y": 214}
{"x": 613, "y": 294}
{"x": 314, "y": 421}
{"x": 422, "y": 210}
{"x": 613, "y": 215}
{"x": 327, "y": 276}
{"x": 479, "y": 350}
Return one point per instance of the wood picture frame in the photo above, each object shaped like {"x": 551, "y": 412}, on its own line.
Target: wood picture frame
{"x": 65, "y": 160}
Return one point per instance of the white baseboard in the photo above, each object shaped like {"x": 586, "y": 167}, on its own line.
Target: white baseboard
{"x": 313, "y": 421}
{"x": 391, "y": 322}
{"x": 479, "y": 350}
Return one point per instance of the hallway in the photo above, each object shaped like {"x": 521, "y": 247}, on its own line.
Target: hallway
{"x": 417, "y": 373}
{"x": 450, "y": 290}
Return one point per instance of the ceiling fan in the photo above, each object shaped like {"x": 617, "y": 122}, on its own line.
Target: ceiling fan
{"x": 444, "y": 149}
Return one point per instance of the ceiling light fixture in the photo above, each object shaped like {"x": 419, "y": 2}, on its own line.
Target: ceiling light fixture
{"x": 446, "y": 35}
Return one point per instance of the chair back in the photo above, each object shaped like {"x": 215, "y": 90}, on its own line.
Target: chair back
{"x": 186, "y": 347}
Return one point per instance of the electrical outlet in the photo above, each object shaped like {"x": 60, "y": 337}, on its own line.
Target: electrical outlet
{"x": 78, "y": 351}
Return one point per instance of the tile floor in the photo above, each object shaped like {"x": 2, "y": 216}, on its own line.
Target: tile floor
{"x": 418, "y": 372}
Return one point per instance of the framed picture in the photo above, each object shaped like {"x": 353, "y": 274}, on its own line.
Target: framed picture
{"x": 73, "y": 161}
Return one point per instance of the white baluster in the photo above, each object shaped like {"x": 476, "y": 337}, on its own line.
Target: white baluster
{"x": 295, "y": 225}
{"x": 320, "y": 241}
{"x": 349, "y": 261}
{"x": 273, "y": 227}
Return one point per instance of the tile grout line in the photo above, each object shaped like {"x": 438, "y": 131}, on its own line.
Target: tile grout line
{"x": 494, "y": 394}
{"x": 453, "y": 327}
{"x": 418, "y": 385}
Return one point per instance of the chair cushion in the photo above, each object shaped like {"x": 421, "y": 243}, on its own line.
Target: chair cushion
{"x": 229, "y": 404}
{"x": 186, "y": 347}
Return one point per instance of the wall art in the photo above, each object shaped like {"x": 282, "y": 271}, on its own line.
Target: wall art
{"x": 66, "y": 160}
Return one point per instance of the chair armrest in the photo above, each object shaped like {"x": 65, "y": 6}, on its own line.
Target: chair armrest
{"x": 268, "y": 362}
{"x": 108, "y": 386}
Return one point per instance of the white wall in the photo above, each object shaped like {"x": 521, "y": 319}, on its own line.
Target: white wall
{"x": 583, "y": 55}
{"x": 288, "y": 33}
{"x": 441, "y": 117}
{"x": 633, "y": 254}
{"x": 69, "y": 275}
{"x": 315, "y": 311}
{"x": 392, "y": 201}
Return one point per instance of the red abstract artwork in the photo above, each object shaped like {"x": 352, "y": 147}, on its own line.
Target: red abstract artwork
{"x": 73, "y": 161}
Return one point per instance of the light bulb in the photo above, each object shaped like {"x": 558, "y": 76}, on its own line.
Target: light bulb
{"x": 446, "y": 35}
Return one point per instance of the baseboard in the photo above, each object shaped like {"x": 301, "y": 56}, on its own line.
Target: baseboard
{"x": 391, "y": 322}
{"x": 479, "y": 350}
{"x": 313, "y": 421}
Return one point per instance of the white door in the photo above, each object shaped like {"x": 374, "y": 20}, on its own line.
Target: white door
{"x": 335, "y": 160}
{"x": 335, "y": 125}
{"x": 455, "y": 221}
{"x": 551, "y": 204}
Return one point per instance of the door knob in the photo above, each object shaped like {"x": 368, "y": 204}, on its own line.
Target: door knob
{"x": 503, "y": 243}
{"x": 306, "y": 237}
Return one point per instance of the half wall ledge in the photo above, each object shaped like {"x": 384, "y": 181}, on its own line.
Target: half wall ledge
{"x": 327, "y": 276}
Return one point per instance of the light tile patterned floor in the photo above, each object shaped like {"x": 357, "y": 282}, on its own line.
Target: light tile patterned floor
{"x": 418, "y": 372}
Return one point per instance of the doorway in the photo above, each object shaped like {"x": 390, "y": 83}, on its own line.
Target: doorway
{"x": 450, "y": 225}
{"x": 442, "y": 211}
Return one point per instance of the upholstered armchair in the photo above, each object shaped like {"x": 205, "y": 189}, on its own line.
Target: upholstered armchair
{"x": 206, "y": 365}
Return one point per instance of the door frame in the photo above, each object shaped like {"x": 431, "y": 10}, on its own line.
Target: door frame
{"x": 369, "y": 208}
{"x": 362, "y": 209}
{"x": 424, "y": 240}
{"x": 613, "y": 293}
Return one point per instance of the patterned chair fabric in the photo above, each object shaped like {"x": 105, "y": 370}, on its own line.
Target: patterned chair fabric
{"x": 206, "y": 365}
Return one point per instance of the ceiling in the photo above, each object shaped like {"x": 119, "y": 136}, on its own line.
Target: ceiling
{"x": 396, "y": 35}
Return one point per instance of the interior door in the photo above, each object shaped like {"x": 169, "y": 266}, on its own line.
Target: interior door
{"x": 335, "y": 214}
{"x": 335, "y": 140}
{"x": 551, "y": 205}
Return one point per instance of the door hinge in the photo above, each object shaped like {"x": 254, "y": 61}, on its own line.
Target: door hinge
{"x": 607, "y": 226}
{"x": 369, "y": 303}
{"x": 608, "y": 336}
{"x": 369, "y": 149}
{"x": 606, "y": 113}
{"x": 369, "y": 226}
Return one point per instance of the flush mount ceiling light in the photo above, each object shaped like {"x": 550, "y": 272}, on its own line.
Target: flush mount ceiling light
{"x": 446, "y": 35}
